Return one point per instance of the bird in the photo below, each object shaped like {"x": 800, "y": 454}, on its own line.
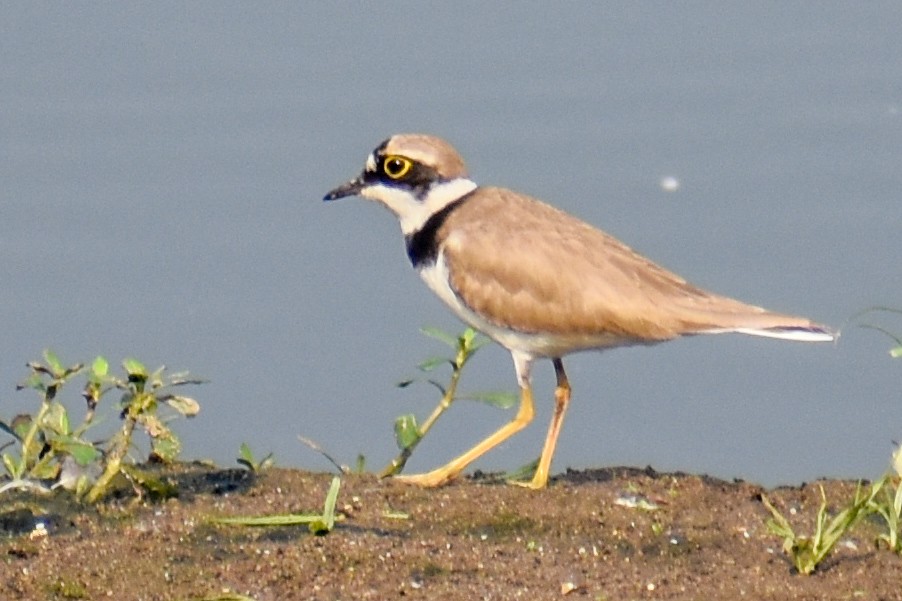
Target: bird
{"x": 538, "y": 281}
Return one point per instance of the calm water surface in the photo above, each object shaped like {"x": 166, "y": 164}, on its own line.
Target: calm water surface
{"x": 163, "y": 168}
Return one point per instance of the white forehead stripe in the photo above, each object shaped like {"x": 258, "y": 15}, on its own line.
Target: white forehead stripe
{"x": 371, "y": 162}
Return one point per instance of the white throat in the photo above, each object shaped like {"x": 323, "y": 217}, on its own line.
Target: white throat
{"x": 412, "y": 212}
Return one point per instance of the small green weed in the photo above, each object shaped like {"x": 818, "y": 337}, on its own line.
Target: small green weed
{"x": 50, "y": 448}
{"x": 247, "y": 459}
{"x": 888, "y": 505}
{"x": 319, "y": 523}
{"x": 883, "y": 498}
{"x": 408, "y": 432}
{"x": 43, "y": 439}
{"x": 807, "y": 552}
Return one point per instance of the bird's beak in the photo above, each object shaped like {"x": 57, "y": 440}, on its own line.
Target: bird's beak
{"x": 347, "y": 189}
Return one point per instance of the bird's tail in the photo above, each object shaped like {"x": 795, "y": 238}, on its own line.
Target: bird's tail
{"x": 812, "y": 333}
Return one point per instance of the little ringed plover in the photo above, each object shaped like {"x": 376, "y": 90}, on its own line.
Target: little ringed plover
{"x": 538, "y": 281}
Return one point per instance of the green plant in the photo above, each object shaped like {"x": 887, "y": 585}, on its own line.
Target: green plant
{"x": 807, "y": 552}
{"x": 408, "y": 432}
{"x": 142, "y": 394}
{"x": 319, "y": 523}
{"x": 889, "y": 505}
{"x": 247, "y": 459}
{"x": 49, "y": 448}
{"x": 47, "y": 436}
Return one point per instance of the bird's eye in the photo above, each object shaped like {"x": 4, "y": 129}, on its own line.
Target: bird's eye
{"x": 396, "y": 167}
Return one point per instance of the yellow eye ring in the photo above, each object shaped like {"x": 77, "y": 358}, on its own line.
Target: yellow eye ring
{"x": 396, "y": 166}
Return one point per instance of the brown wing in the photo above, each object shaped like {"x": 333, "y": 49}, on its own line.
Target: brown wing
{"x": 528, "y": 266}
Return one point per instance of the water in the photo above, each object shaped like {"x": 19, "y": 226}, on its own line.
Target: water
{"x": 163, "y": 168}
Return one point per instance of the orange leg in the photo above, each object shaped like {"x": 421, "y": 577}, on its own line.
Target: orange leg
{"x": 561, "y": 401}
{"x": 446, "y": 473}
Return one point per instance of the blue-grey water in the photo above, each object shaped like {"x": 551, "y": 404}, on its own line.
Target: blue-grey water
{"x": 162, "y": 167}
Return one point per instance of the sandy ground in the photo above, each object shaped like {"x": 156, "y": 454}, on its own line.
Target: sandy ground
{"x": 599, "y": 534}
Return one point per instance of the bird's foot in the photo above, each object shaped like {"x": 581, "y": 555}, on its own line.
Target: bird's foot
{"x": 527, "y": 484}
{"x": 431, "y": 479}
{"x": 539, "y": 480}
